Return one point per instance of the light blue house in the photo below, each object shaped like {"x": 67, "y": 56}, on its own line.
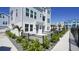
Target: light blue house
{"x": 4, "y": 20}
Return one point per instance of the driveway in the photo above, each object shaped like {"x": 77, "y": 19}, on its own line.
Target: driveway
{"x": 4, "y": 41}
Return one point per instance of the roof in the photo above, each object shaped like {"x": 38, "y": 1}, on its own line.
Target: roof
{"x": 5, "y": 14}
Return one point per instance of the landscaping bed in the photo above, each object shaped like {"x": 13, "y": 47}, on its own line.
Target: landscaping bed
{"x": 34, "y": 44}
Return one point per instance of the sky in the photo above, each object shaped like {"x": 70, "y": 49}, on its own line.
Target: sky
{"x": 4, "y": 10}
{"x": 58, "y": 14}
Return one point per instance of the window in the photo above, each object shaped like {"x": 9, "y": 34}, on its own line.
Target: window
{"x": 31, "y": 27}
{"x": 43, "y": 18}
{"x": 48, "y": 28}
{"x": 48, "y": 20}
{"x": 26, "y": 27}
{"x": 16, "y": 12}
{"x": 3, "y": 16}
{"x": 40, "y": 27}
{"x": 31, "y": 15}
{"x": 27, "y": 12}
{"x": 0, "y": 15}
{"x": 12, "y": 15}
{"x": 48, "y": 11}
{"x": 35, "y": 15}
{"x": 5, "y": 22}
{"x": 40, "y": 15}
{"x": 11, "y": 12}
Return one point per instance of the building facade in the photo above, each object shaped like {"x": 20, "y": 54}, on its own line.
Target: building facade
{"x": 33, "y": 20}
{"x": 4, "y": 20}
{"x": 72, "y": 23}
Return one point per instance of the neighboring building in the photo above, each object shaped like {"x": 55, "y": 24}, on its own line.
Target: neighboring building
{"x": 4, "y": 20}
{"x": 71, "y": 23}
{"x": 33, "y": 20}
{"x": 57, "y": 27}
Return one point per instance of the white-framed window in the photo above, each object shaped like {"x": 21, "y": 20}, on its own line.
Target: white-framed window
{"x": 27, "y": 12}
{"x": 40, "y": 15}
{"x": 43, "y": 18}
{"x": 48, "y": 28}
{"x": 0, "y": 15}
{"x": 31, "y": 27}
{"x": 35, "y": 15}
{"x": 26, "y": 27}
{"x": 31, "y": 13}
{"x": 48, "y": 20}
{"x": 16, "y": 12}
{"x": 11, "y": 14}
{"x": 48, "y": 11}
{"x": 5, "y": 22}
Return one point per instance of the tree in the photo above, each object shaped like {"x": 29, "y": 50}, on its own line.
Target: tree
{"x": 19, "y": 29}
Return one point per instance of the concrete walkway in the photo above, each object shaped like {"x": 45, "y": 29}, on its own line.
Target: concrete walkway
{"x": 4, "y": 41}
{"x": 63, "y": 44}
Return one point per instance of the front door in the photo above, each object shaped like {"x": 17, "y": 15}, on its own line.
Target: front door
{"x": 37, "y": 28}
{"x": 43, "y": 28}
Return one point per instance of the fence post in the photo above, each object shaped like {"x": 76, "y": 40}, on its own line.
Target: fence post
{"x": 28, "y": 36}
{"x": 43, "y": 39}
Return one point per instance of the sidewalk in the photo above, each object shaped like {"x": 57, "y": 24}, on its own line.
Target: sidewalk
{"x": 63, "y": 44}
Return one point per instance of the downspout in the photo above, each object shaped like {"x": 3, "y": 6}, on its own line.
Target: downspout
{"x": 22, "y": 21}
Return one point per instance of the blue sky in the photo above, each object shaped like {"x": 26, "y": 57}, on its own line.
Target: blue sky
{"x": 4, "y": 10}
{"x": 59, "y": 14}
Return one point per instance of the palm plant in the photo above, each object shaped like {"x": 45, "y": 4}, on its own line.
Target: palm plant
{"x": 19, "y": 29}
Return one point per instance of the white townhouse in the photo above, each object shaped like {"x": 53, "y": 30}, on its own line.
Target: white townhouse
{"x": 33, "y": 20}
{"x": 4, "y": 20}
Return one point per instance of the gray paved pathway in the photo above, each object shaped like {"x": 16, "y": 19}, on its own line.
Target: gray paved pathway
{"x": 4, "y": 41}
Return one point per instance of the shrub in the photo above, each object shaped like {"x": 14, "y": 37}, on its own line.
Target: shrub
{"x": 46, "y": 42}
{"x": 11, "y": 35}
{"x": 34, "y": 45}
{"x": 25, "y": 44}
{"x": 55, "y": 38}
{"x": 19, "y": 39}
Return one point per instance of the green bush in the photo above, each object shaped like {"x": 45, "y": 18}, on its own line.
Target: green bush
{"x": 55, "y": 38}
{"x": 19, "y": 39}
{"x": 46, "y": 43}
{"x": 25, "y": 44}
{"x": 11, "y": 35}
{"x": 62, "y": 33}
{"x": 34, "y": 45}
